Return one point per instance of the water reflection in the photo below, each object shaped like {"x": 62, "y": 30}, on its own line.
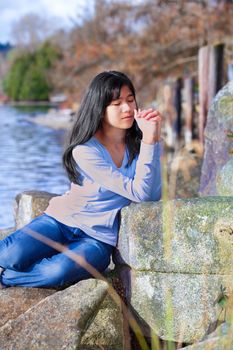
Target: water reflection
{"x": 30, "y": 159}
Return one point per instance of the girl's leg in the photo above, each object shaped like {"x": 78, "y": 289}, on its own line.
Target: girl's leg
{"x": 20, "y": 250}
{"x": 60, "y": 270}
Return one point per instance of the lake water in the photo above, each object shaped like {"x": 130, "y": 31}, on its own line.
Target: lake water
{"x": 30, "y": 158}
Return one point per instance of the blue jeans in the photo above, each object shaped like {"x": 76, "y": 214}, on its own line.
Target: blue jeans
{"x": 29, "y": 262}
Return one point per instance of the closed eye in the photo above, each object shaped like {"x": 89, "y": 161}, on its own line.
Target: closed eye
{"x": 116, "y": 103}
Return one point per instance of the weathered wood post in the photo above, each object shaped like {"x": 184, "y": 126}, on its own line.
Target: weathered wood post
{"x": 210, "y": 74}
{"x": 230, "y": 71}
{"x": 178, "y": 108}
{"x": 203, "y": 72}
{"x": 169, "y": 111}
{"x": 215, "y": 81}
{"x": 188, "y": 109}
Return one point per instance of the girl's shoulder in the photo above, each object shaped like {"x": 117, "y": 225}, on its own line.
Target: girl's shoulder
{"x": 92, "y": 145}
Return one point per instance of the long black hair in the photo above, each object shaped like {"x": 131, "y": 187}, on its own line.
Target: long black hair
{"x": 104, "y": 88}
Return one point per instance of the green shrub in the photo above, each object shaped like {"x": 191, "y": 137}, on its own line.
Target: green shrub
{"x": 28, "y": 76}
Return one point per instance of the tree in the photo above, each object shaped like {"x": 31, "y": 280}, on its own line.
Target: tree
{"x": 149, "y": 41}
{"x": 28, "y": 78}
{"x": 31, "y": 30}
{"x": 35, "y": 86}
{"x": 14, "y": 80}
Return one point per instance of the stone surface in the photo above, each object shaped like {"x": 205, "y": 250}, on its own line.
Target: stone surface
{"x": 217, "y": 343}
{"x": 16, "y": 301}
{"x": 217, "y": 144}
{"x": 6, "y": 232}
{"x": 181, "y": 236}
{"x": 221, "y": 339}
{"x": 180, "y": 255}
{"x": 106, "y": 331}
{"x": 224, "y": 179}
{"x": 178, "y": 307}
{"x": 56, "y": 322}
{"x": 30, "y": 204}
{"x": 224, "y": 329}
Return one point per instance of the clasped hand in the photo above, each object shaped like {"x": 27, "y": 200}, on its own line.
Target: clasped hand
{"x": 149, "y": 122}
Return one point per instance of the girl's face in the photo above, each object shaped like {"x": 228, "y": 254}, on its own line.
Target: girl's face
{"x": 120, "y": 113}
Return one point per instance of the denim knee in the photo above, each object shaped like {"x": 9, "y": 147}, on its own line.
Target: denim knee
{"x": 59, "y": 273}
{"x": 53, "y": 274}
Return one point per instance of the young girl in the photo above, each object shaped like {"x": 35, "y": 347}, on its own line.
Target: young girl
{"x": 112, "y": 159}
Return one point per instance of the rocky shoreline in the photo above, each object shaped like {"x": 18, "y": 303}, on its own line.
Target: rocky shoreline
{"x": 55, "y": 119}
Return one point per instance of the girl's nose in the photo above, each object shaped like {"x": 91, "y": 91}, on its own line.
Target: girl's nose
{"x": 125, "y": 107}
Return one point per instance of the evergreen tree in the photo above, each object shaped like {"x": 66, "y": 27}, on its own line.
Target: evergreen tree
{"x": 28, "y": 76}
{"x": 35, "y": 86}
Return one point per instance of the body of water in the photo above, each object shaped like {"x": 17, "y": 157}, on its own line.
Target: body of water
{"x": 30, "y": 159}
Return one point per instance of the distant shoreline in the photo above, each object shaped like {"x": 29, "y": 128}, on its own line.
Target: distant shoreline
{"x": 30, "y": 103}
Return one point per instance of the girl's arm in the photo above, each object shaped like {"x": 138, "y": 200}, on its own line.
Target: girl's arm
{"x": 144, "y": 186}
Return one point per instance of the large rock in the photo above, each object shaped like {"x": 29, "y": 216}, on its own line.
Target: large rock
{"x": 106, "y": 331}
{"x": 180, "y": 254}
{"x": 15, "y": 301}
{"x": 30, "y": 204}
{"x": 178, "y": 307}
{"x": 27, "y": 205}
{"x": 216, "y": 343}
{"x": 217, "y": 145}
{"x": 182, "y": 236}
{"x": 56, "y": 322}
{"x": 5, "y": 232}
{"x": 219, "y": 340}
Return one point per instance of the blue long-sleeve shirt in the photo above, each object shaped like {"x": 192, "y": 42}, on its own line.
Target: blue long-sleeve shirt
{"x": 94, "y": 206}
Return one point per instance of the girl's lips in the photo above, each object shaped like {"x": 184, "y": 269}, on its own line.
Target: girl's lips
{"x": 128, "y": 117}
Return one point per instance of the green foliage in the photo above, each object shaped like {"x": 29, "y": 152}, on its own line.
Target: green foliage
{"x": 28, "y": 76}
{"x": 35, "y": 85}
{"x": 14, "y": 80}
{"x": 46, "y": 56}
